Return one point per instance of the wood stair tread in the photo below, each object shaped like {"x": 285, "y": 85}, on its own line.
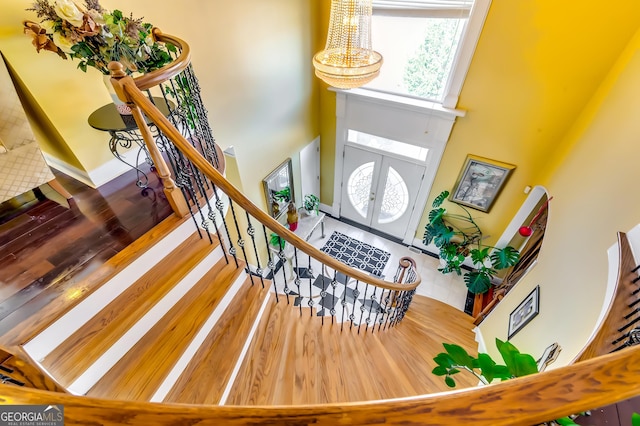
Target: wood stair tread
{"x": 50, "y": 308}
{"x": 162, "y": 346}
{"x": 67, "y": 361}
{"x": 293, "y": 359}
{"x": 206, "y": 376}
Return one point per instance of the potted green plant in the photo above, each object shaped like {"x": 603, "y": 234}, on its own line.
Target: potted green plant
{"x": 458, "y": 237}
{"x": 311, "y": 203}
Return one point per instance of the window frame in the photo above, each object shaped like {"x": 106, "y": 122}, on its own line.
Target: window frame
{"x": 467, "y": 45}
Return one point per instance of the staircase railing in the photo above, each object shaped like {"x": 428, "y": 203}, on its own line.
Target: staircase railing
{"x": 523, "y": 401}
{"x": 368, "y": 302}
{"x": 527, "y": 400}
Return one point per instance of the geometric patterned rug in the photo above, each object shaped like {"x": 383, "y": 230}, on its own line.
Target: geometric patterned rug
{"x": 356, "y": 253}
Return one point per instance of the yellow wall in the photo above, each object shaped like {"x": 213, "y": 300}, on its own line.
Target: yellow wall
{"x": 252, "y": 58}
{"x": 593, "y": 191}
{"x": 537, "y": 95}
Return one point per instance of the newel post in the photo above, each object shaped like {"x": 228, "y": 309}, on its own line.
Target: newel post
{"x": 174, "y": 195}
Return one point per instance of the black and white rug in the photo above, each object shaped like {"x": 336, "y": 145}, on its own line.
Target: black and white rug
{"x": 356, "y": 253}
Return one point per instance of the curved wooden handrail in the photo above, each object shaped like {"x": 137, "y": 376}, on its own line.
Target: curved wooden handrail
{"x": 154, "y": 78}
{"x": 522, "y": 401}
{"x": 602, "y": 342}
{"x": 127, "y": 89}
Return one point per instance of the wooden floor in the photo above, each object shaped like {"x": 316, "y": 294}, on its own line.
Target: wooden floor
{"x": 47, "y": 247}
{"x": 293, "y": 359}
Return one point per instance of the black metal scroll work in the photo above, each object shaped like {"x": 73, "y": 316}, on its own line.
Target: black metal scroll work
{"x": 307, "y": 282}
{"x": 126, "y": 140}
{"x": 4, "y": 378}
{"x": 632, "y": 337}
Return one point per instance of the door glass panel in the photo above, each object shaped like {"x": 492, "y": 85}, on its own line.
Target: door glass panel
{"x": 388, "y": 145}
{"x": 359, "y": 188}
{"x": 395, "y": 199}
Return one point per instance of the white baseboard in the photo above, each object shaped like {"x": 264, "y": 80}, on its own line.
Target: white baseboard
{"x": 114, "y": 168}
{"x": 326, "y": 208}
{"x": 98, "y": 176}
{"x": 68, "y": 169}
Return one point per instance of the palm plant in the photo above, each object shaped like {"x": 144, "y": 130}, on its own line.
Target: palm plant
{"x": 457, "y": 237}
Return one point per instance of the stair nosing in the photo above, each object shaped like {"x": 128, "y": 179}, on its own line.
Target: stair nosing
{"x": 57, "y": 332}
{"x": 182, "y": 363}
{"x": 243, "y": 352}
{"x": 119, "y": 348}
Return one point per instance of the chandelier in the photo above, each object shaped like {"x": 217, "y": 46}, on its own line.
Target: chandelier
{"x": 348, "y": 61}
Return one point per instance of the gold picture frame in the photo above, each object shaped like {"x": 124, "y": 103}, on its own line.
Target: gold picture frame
{"x": 480, "y": 182}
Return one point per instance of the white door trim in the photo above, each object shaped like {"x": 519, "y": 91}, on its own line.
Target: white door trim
{"x": 426, "y": 127}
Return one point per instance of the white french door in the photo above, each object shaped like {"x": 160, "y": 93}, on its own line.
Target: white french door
{"x": 379, "y": 191}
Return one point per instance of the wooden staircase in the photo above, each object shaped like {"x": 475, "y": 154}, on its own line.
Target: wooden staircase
{"x": 164, "y": 313}
{"x": 177, "y": 323}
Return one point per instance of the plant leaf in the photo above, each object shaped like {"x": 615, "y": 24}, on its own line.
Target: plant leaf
{"x": 479, "y": 255}
{"x": 565, "y": 421}
{"x": 440, "y": 199}
{"x": 487, "y": 366}
{"x": 459, "y": 355}
{"x": 478, "y": 282}
{"x": 450, "y": 382}
{"x": 504, "y": 258}
{"x": 501, "y": 372}
{"x": 635, "y": 419}
{"x": 518, "y": 364}
{"x": 440, "y": 371}
{"x": 443, "y": 360}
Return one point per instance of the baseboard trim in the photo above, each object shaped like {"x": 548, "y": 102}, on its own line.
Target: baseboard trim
{"x": 68, "y": 169}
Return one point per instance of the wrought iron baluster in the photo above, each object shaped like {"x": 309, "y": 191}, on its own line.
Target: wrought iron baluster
{"x": 297, "y": 281}
{"x": 252, "y": 233}
{"x": 356, "y": 293}
{"x": 362, "y": 307}
{"x": 334, "y": 284}
{"x": 270, "y": 264}
{"x": 310, "y": 273}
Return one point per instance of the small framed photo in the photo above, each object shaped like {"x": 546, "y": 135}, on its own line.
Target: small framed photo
{"x": 480, "y": 182}
{"x": 525, "y": 312}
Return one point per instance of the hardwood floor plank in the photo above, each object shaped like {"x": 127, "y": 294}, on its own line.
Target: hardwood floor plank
{"x": 82, "y": 348}
{"x": 139, "y": 373}
{"x": 325, "y": 365}
{"x": 102, "y": 212}
{"x": 69, "y": 289}
{"x": 265, "y": 362}
{"x": 206, "y": 376}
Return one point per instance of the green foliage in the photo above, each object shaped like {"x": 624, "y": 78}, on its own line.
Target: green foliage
{"x": 98, "y": 38}
{"x": 426, "y": 71}
{"x": 181, "y": 91}
{"x": 456, "y": 359}
{"x": 635, "y": 419}
{"x": 277, "y": 241}
{"x": 311, "y": 203}
{"x": 440, "y": 199}
{"x": 478, "y": 281}
{"x": 458, "y": 236}
{"x": 565, "y": 421}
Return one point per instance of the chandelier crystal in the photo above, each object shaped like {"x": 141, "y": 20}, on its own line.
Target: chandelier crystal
{"x": 348, "y": 61}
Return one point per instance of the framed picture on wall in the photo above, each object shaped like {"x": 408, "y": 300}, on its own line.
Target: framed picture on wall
{"x": 480, "y": 182}
{"x": 525, "y": 312}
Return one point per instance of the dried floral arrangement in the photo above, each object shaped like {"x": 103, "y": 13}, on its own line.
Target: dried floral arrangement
{"x": 96, "y": 36}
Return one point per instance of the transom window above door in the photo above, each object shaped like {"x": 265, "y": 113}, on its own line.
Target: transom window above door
{"x": 387, "y": 145}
